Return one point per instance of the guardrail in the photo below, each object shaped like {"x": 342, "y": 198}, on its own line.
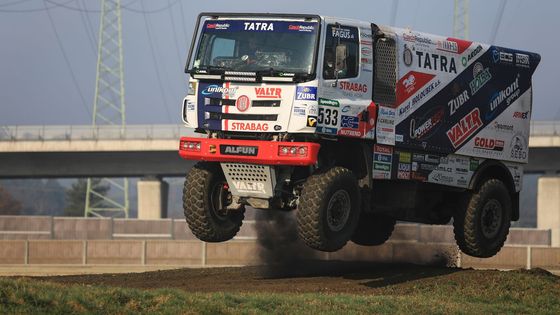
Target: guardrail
{"x": 136, "y": 132}
{"x": 81, "y": 132}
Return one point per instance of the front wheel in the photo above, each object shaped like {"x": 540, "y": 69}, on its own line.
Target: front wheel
{"x": 328, "y": 210}
{"x": 205, "y": 201}
{"x": 482, "y": 223}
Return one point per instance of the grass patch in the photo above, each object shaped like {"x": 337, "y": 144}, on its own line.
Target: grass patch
{"x": 504, "y": 292}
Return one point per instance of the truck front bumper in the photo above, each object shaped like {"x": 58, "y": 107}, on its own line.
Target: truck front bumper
{"x": 249, "y": 151}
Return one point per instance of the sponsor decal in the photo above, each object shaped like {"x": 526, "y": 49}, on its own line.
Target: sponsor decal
{"x": 327, "y": 130}
{"x": 436, "y": 62}
{"x": 506, "y": 57}
{"x": 238, "y": 150}
{"x": 407, "y": 56}
{"x": 258, "y": 26}
{"x": 345, "y": 109}
{"x": 502, "y": 127}
{"x": 308, "y": 93}
{"x": 382, "y": 158}
{"x": 190, "y": 106}
{"x": 249, "y": 126}
{"x": 441, "y": 178}
{"x": 382, "y": 149}
{"x": 242, "y": 103}
{"x": 349, "y": 122}
{"x": 481, "y": 76}
{"x": 299, "y": 111}
{"x": 403, "y": 171}
{"x": 427, "y": 167}
{"x": 327, "y": 102}
{"x": 421, "y": 129}
{"x": 344, "y": 33}
{"x": 386, "y": 125}
{"x": 264, "y": 92}
{"x": 418, "y": 39}
{"x": 457, "y": 102}
{"x": 353, "y": 87}
{"x": 350, "y": 133}
{"x": 366, "y": 51}
{"x": 277, "y": 127}
{"x": 473, "y": 165}
{"x": 463, "y": 129}
{"x": 311, "y": 121}
{"x": 246, "y": 186}
{"x": 488, "y": 144}
{"x": 453, "y": 45}
{"x": 411, "y": 83}
{"x": 416, "y": 157}
{"x": 495, "y": 55}
{"x": 214, "y": 88}
{"x": 429, "y": 158}
{"x": 301, "y": 28}
{"x": 522, "y": 60}
{"x": 509, "y": 95}
{"x": 521, "y": 115}
{"x": 218, "y": 26}
{"x": 382, "y": 167}
{"x": 312, "y": 109}
{"x": 465, "y": 60}
{"x": 405, "y": 157}
{"x": 518, "y": 149}
{"x": 418, "y": 176}
{"x": 399, "y": 138}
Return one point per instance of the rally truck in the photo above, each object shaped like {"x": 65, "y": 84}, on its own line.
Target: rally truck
{"x": 353, "y": 126}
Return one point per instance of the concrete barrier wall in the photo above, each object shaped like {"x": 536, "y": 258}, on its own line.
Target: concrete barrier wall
{"x": 247, "y": 252}
{"x": 65, "y": 228}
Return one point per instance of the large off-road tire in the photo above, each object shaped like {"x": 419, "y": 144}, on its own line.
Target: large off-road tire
{"x": 205, "y": 199}
{"x": 373, "y": 229}
{"x": 482, "y": 223}
{"x": 328, "y": 210}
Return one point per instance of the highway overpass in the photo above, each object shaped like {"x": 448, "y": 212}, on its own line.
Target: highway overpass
{"x": 151, "y": 150}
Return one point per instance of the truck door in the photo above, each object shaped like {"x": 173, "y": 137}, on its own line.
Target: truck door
{"x": 345, "y": 106}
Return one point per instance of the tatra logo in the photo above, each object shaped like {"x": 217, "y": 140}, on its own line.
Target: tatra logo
{"x": 259, "y": 26}
{"x": 436, "y": 62}
{"x": 263, "y": 92}
{"x": 463, "y": 129}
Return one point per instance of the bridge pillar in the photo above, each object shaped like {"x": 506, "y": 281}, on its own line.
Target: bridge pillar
{"x": 152, "y": 198}
{"x": 548, "y": 207}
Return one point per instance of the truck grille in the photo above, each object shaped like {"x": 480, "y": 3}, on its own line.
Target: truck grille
{"x": 249, "y": 180}
{"x": 384, "y": 86}
{"x": 263, "y": 117}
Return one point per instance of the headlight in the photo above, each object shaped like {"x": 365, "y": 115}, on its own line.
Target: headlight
{"x": 192, "y": 88}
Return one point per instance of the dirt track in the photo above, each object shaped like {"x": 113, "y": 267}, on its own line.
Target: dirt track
{"x": 326, "y": 277}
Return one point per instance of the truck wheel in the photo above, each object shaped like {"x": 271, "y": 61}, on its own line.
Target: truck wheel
{"x": 328, "y": 210}
{"x": 373, "y": 229}
{"x": 482, "y": 224}
{"x": 205, "y": 198}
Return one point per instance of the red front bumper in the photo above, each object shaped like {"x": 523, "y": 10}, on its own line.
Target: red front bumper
{"x": 243, "y": 151}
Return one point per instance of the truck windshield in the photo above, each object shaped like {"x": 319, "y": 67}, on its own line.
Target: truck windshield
{"x": 277, "y": 47}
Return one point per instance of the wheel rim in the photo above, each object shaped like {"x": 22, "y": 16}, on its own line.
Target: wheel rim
{"x": 491, "y": 218}
{"x": 219, "y": 201}
{"x": 338, "y": 210}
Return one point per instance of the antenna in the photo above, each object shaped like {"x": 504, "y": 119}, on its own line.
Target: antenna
{"x": 108, "y": 196}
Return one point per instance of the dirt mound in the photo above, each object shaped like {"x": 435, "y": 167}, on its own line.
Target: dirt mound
{"x": 316, "y": 276}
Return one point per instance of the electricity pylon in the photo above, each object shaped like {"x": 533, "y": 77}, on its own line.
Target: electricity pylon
{"x": 108, "y": 196}
{"x": 461, "y": 19}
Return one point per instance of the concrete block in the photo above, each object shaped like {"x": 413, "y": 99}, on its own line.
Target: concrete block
{"x": 56, "y": 252}
{"x": 523, "y": 236}
{"x": 12, "y": 252}
{"x": 507, "y": 258}
{"x": 82, "y": 228}
{"x": 232, "y": 253}
{"x": 424, "y": 253}
{"x": 25, "y": 223}
{"x": 115, "y": 252}
{"x": 352, "y": 252}
{"x": 181, "y": 230}
{"x": 152, "y": 198}
{"x": 144, "y": 229}
{"x": 436, "y": 234}
{"x": 406, "y": 232}
{"x": 546, "y": 258}
{"x": 548, "y": 207}
{"x": 186, "y": 253}
{"x": 25, "y": 236}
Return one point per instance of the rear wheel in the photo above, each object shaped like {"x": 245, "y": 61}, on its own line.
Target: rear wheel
{"x": 482, "y": 224}
{"x": 373, "y": 229}
{"x": 205, "y": 201}
{"x": 328, "y": 209}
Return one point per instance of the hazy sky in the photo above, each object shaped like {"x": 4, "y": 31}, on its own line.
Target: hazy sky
{"x": 36, "y": 85}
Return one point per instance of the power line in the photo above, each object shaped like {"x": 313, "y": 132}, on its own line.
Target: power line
{"x": 12, "y": 3}
{"x": 32, "y": 10}
{"x": 66, "y": 60}
{"x": 497, "y": 21}
{"x": 65, "y": 5}
{"x": 88, "y": 33}
{"x": 154, "y": 60}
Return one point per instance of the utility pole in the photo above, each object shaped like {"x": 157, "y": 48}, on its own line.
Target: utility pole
{"x": 108, "y": 196}
{"x": 461, "y": 19}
